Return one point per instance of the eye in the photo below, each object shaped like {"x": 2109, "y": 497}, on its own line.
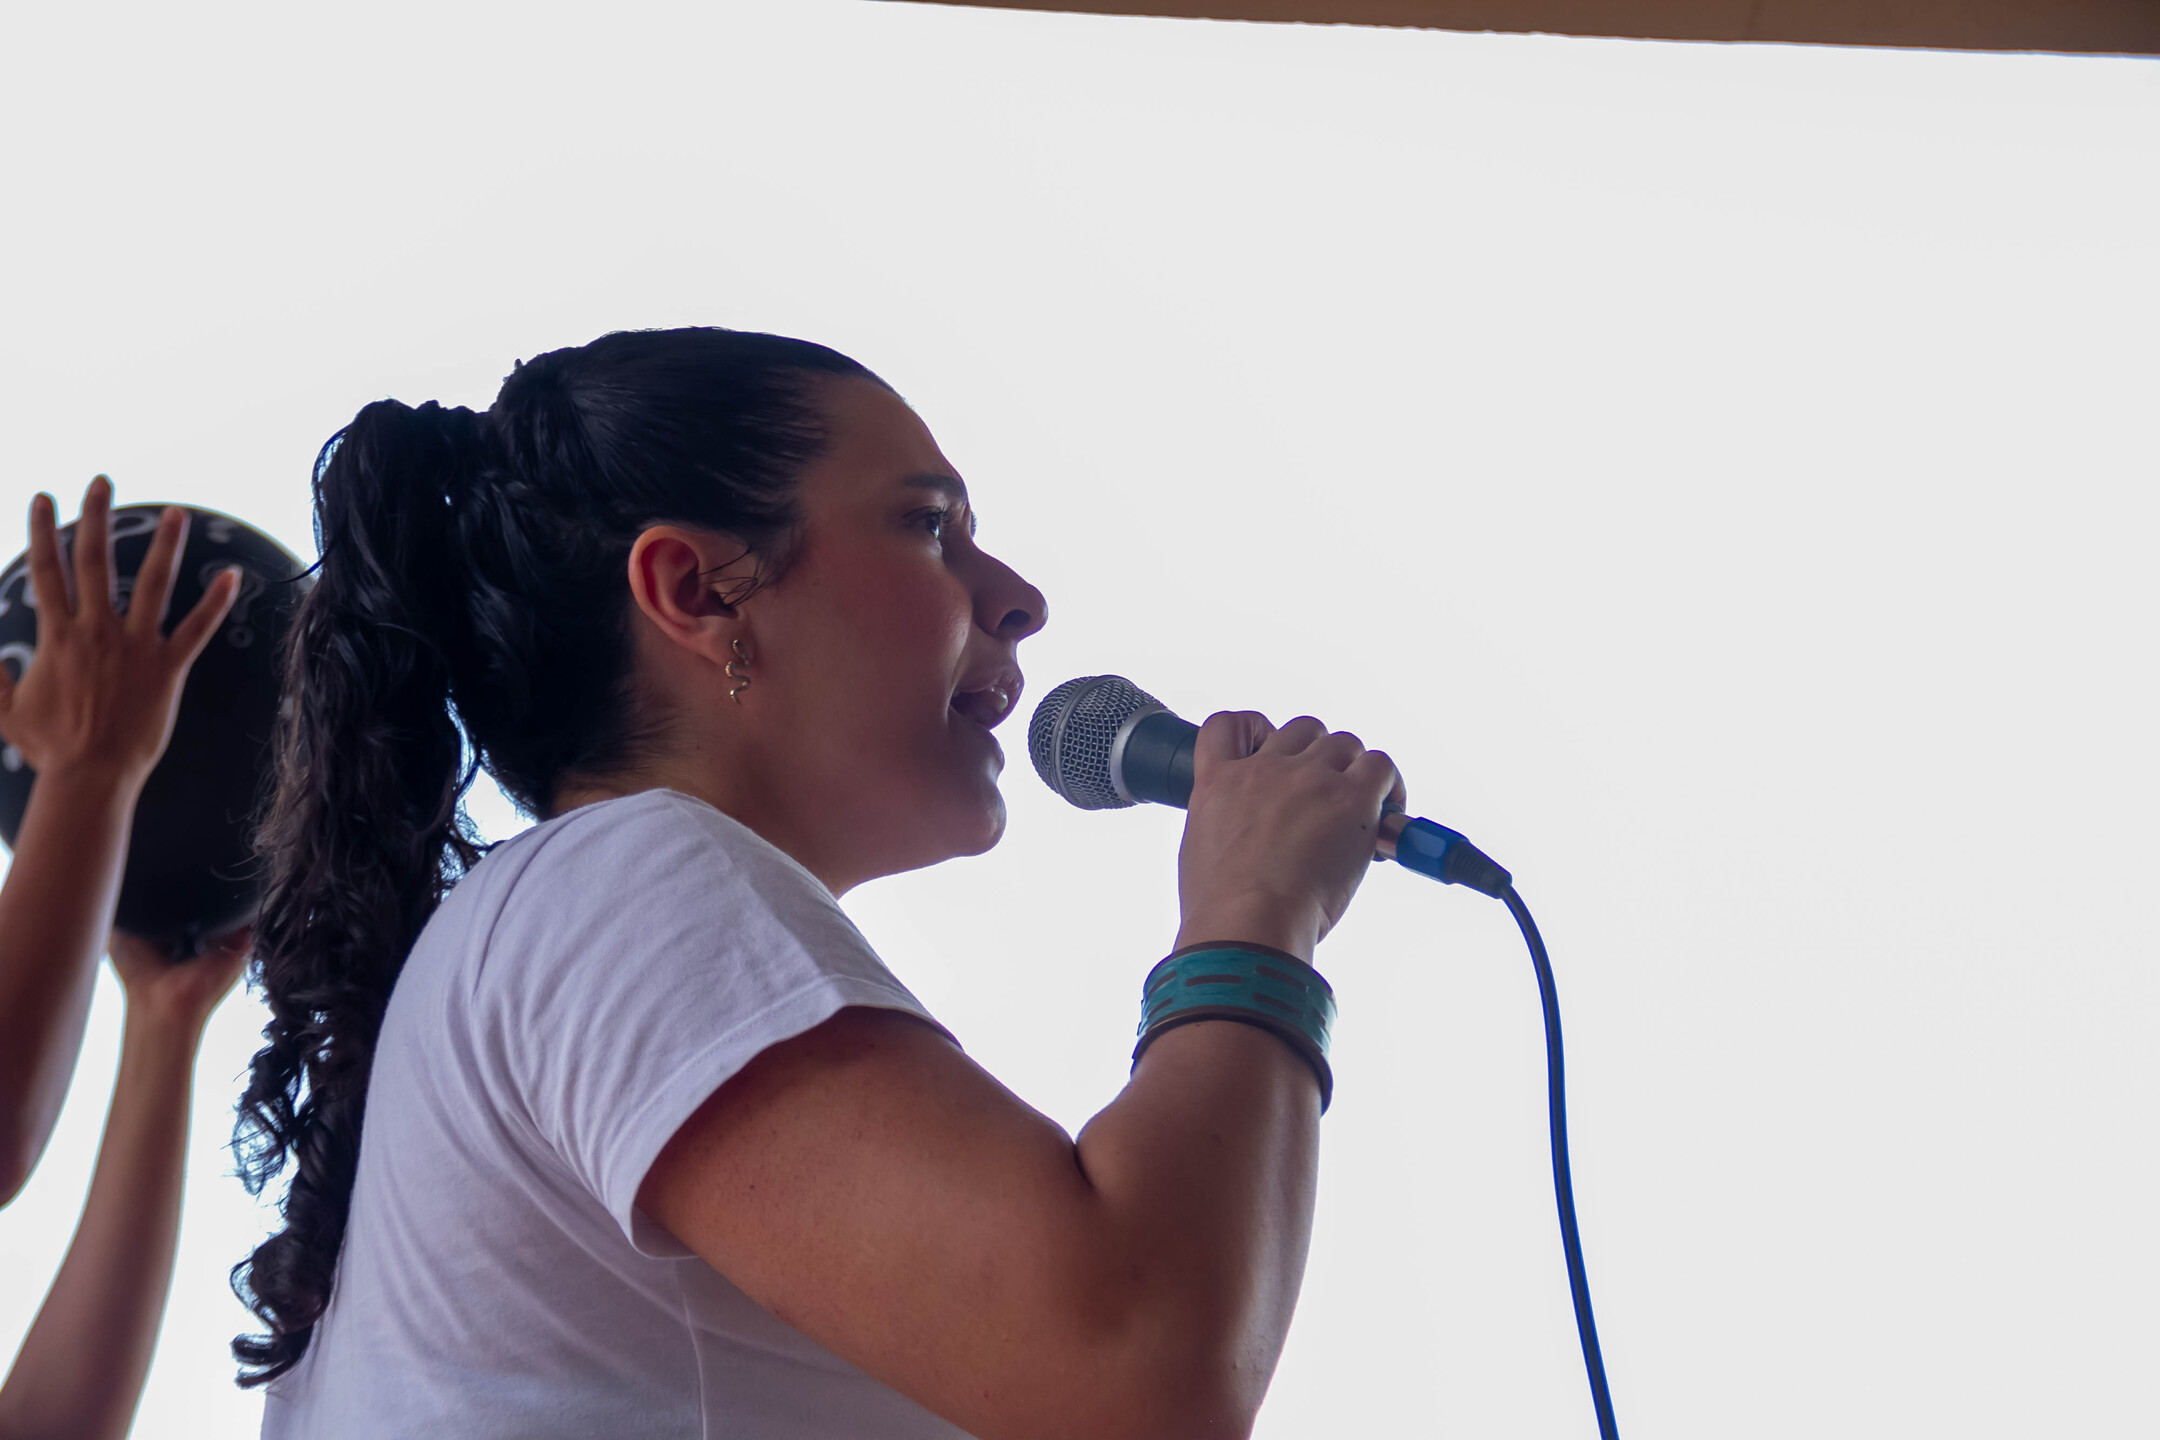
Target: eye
{"x": 935, "y": 520}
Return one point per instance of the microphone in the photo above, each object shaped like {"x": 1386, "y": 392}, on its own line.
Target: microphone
{"x": 1103, "y": 743}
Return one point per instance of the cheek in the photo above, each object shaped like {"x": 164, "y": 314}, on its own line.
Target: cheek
{"x": 891, "y": 637}
{"x": 868, "y": 722}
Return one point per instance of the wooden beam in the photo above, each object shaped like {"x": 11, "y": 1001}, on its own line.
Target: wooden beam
{"x": 2129, "y": 27}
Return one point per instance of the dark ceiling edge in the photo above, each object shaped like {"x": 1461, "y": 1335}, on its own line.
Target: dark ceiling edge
{"x": 2064, "y": 27}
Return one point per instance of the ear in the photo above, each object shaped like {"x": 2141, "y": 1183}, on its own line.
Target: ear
{"x": 678, "y": 576}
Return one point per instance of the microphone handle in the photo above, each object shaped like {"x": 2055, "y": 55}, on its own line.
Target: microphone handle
{"x": 1152, "y": 761}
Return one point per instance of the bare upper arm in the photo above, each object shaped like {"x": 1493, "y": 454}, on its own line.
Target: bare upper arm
{"x": 877, "y": 1190}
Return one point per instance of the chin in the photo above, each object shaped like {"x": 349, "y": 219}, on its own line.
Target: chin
{"x": 968, "y": 806}
{"x": 989, "y": 826}
{"x": 953, "y": 823}
{"x": 968, "y": 820}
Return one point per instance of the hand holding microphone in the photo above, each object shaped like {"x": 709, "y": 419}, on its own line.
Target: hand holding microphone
{"x": 1104, "y": 743}
{"x": 1281, "y": 829}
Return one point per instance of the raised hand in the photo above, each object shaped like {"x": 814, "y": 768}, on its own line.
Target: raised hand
{"x": 91, "y": 716}
{"x": 83, "y": 1363}
{"x": 165, "y": 990}
{"x": 103, "y": 689}
{"x": 1280, "y": 830}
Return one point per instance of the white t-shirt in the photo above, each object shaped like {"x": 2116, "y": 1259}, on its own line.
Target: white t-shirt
{"x": 577, "y": 997}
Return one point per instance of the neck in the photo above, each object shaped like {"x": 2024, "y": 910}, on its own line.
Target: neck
{"x": 755, "y": 811}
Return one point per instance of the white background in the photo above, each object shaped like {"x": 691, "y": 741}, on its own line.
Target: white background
{"x": 1723, "y": 477}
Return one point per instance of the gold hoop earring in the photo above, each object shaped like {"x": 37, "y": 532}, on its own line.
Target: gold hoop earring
{"x": 740, "y": 677}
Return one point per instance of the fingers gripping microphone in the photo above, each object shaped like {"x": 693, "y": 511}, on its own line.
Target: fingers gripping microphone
{"x": 1104, "y": 743}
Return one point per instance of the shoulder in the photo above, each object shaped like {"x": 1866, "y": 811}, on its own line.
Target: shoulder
{"x": 639, "y": 821}
{"x": 658, "y": 888}
{"x": 653, "y": 846}
{"x": 637, "y": 953}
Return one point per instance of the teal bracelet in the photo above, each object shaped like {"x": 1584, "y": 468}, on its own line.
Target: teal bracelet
{"x": 1256, "y": 987}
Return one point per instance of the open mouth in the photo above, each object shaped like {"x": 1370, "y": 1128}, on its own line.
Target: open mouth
{"x": 989, "y": 704}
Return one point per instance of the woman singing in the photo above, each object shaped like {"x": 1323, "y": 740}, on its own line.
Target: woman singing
{"x": 654, "y": 1144}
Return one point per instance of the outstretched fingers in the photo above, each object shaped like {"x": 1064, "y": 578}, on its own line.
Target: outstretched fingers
{"x": 154, "y": 581}
{"x": 93, "y": 552}
{"x": 48, "y": 575}
{"x": 194, "y": 631}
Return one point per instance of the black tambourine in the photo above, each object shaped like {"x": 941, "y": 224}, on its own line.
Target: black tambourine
{"x": 190, "y": 865}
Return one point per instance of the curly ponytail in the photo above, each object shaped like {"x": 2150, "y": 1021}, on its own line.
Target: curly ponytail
{"x": 470, "y": 610}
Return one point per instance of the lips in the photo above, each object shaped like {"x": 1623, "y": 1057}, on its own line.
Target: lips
{"x": 988, "y": 699}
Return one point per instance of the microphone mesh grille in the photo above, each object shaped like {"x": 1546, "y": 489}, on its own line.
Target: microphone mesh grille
{"x": 1069, "y": 737}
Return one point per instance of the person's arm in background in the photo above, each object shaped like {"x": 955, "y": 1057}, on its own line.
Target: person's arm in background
{"x": 91, "y": 716}
{"x": 81, "y": 1369}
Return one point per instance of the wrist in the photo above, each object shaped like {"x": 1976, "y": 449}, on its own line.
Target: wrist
{"x": 1256, "y": 920}
{"x": 89, "y": 779}
{"x": 167, "y": 1039}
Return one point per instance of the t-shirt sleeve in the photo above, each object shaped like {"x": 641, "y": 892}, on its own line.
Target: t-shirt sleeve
{"x": 647, "y": 950}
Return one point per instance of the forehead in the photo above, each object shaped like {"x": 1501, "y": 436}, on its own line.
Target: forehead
{"x": 875, "y": 444}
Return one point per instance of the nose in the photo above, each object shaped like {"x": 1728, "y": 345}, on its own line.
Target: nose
{"x": 1007, "y": 606}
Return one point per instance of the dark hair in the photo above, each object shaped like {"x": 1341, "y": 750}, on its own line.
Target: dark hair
{"x": 470, "y": 611}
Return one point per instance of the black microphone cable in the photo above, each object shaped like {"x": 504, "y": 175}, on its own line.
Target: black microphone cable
{"x": 1563, "y": 1183}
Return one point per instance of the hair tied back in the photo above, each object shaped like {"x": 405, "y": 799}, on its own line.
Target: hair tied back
{"x": 470, "y": 607}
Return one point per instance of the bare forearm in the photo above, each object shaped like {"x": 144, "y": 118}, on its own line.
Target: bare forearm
{"x": 82, "y": 1367}
{"x": 55, "y": 910}
{"x": 1209, "y": 1160}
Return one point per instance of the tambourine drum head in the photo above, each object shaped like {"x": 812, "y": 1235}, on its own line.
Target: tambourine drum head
{"x": 190, "y": 869}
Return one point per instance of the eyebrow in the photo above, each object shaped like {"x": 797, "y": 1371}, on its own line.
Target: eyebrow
{"x": 951, "y": 486}
{"x": 943, "y": 484}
